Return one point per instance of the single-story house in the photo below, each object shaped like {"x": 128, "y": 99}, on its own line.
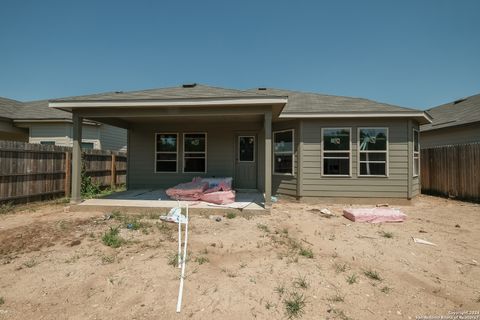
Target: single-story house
{"x": 274, "y": 141}
{"x": 457, "y": 122}
{"x": 35, "y": 122}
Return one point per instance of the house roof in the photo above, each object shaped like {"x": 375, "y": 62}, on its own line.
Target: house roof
{"x": 455, "y": 113}
{"x": 193, "y": 91}
{"x": 39, "y": 110}
{"x": 312, "y": 103}
{"x": 8, "y": 107}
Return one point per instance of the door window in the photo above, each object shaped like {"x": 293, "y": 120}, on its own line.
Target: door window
{"x": 246, "y": 148}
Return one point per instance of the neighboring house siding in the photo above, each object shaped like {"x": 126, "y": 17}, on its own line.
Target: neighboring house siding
{"x": 61, "y": 133}
{"x": 220, "y": 151}
{"x": 113, "y": 138}
{"x": 57, "y": 132}
{"x": 285, "y": 183}
{"x": 469, "y": 133}
{"x": 10, "y": 132}
{"x": 316, "y": 185}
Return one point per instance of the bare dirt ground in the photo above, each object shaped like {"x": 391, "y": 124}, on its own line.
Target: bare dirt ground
{"x": 54, "y": 265}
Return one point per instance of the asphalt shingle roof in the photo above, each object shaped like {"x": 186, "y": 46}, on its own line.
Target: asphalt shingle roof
{"x": 197, "y": 91}
{"x": 8, "y": 107}
{"x": 305, "y": 102}
{"x": 298, "y": 102}
{"x": 462, "y": 111}
{"x": 39, "y": 110}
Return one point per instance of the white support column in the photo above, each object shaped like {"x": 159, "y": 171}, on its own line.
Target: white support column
{"x": 267, "y": 126}
{"x": 76, "y": 159}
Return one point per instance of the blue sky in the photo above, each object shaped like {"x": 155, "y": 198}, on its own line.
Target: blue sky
{"x": 418, "y": 53}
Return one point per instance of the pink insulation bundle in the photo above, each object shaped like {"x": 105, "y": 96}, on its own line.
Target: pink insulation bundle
{"x": 189, "y": 191}
{"x": 374, "y": 215}
{"x": 219, "y": 197}
{"x": 214, "y": 190}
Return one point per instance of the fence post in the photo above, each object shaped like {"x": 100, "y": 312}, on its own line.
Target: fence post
{"x": 68, "y": 174}
{"x": 113, "y": 174}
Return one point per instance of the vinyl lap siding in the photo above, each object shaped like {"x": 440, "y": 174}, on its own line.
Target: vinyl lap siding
{"x": 450, "y": 136}
{"x": 316, "y": 185}
{"x": 220, "y": 152}
{"x": 113, "y": 138}
{"x": 58, "y": 132}
{"x": 281, "y": 183}
{"x": 61, "y": 133}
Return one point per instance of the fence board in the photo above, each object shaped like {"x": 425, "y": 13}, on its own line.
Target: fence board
{"x": 452, "y": 171}
{"x": 32, "y": 171}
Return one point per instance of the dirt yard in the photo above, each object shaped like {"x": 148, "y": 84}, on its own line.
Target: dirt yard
{"x": 55, "y": 264}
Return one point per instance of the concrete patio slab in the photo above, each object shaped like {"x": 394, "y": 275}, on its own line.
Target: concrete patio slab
{"x": 148, "y": 199}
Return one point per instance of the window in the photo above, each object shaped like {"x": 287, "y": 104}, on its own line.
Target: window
{"x": 246, "y": 148}
{"x": 373, "y": 146}
{"x": 87, "y": 145}
{"x": 416, "y": 153}
{"x": 166, "y": 149}
{"x": 283, "y": 152}
{"x": 336, "y": 151}
{"x": 48, "y": 143}
{"x": 195, "y": 152}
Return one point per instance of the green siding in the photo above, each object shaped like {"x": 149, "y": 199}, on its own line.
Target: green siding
{"x": 220, "y": 151}
{"x": 316, "y": 185}
{"x": 282, "y": 183}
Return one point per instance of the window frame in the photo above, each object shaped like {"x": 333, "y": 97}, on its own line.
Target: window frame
{"x": 205, "y": 152}
{"x": 48, "y": 142}
{"x": 292, "y": 152}
{"x": 416, "y": 154}
{"x": 157, "y": 152}
{"x": 322, "y": 152}
{"x": 87, "y": 142}
{"x": 254, "y": 148}
{"x": 387, "y": 155}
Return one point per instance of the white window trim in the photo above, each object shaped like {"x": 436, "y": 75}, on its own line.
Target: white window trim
{"x": 336, "y": 151}
{"x": 283, "y": 152}
{"x": 157, "y": 152}
{"x": 387, "y": 155}
{"x": 254, "y": 147}
{"x": 183, "y": 149}
{"x": 416, "y": 154}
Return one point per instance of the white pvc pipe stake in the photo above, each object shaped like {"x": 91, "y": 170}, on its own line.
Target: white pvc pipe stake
{"x": 184, "y": 259}
{"x": 179, "y": 256}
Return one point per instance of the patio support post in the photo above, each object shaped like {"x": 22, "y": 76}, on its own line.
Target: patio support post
{"x": 268, "y": 158}
{"x": 76, "y": 159}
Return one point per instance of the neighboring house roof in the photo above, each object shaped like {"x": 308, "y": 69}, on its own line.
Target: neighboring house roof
{"x": 455, "y": 113}
{"x": 305, "y": 103}
{"x": 192, "y": 91}
{"x": 8, "y": 107}
{"x": 39, "y": 110}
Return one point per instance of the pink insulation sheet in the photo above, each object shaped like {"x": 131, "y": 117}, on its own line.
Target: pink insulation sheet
{"x": 189, "y": 191}
{"x": 214, "y": 190}
{"x": 374, "y": 215}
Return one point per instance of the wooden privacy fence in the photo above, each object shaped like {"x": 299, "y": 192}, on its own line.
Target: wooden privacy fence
{"x": 452, "y": 171}
{"x": 34, "y": 171}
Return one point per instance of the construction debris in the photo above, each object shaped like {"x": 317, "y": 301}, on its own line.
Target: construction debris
{"x": 422, "y": 241}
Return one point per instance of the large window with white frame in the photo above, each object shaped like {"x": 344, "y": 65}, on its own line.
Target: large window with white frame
{"x": 336, "y": 151}
{"x": 166, "y": 152}
{"x": 195, "y": 152}
{"x": 283, "y": 151}
{"x": 373, "y": 151}
{"x": 416, "y": 153}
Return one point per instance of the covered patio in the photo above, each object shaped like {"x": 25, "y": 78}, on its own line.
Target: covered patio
{"x": 173, "y": 140}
